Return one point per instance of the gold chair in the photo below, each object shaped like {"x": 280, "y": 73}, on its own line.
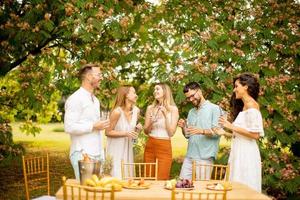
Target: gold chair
{"x": 36, "y": 175}
{"x": 147, "y": 171}
{"x": 178, "y": 194}
{"x": 82, "y": 192}
{"x": 202, "y": 172}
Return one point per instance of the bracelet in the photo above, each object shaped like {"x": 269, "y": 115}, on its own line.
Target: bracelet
{"x": 204, "y": 132}
{"x": 209, "y": 132}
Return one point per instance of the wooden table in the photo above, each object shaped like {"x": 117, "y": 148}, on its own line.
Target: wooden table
{"x": 156, "y": 191}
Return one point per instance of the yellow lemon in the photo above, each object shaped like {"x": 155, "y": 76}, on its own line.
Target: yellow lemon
{"x": 90, "y": 182}
{"x": 95, "y": 178}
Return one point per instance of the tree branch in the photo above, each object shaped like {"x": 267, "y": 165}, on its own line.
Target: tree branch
{"x": 9, "y": 66}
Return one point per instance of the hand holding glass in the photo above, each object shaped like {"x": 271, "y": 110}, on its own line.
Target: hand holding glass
{"x": 223, "y": 115}
{"x": 138, "y": 127}
{"x": 188, "y": 125}
{"x": 104, "y": 115}
{"x": 219, "y": 131}
{"x": 181, "y": 123}
{"x": 104, "y": 119}
{"x": 132, "y": 134}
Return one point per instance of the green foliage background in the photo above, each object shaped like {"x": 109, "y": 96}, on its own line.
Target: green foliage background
{"x": 43, "y": 43}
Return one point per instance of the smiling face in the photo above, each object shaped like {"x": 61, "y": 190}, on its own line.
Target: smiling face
{"x": 158, "y": 92}
{"x": 239, "y": 89}
{"x": 94, "y": 77}
{"x": 193, "y": 96}
{"x": 131, "y": 96}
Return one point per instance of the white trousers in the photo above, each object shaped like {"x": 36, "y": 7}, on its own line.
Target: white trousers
{"x": 203, "y": 173}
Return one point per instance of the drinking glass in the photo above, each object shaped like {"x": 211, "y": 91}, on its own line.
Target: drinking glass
{"x": 223, "y": 114}
{"x": 138, "y": 130}
{"x": 104, "y": 115}
{"x": 187, "y": 125}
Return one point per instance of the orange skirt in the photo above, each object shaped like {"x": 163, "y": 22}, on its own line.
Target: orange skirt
{"x": 162, "y": 150}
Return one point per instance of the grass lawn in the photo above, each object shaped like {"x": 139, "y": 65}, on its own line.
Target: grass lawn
{"x": 52, "y": 139}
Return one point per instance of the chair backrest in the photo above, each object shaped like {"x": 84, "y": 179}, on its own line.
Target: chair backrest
{"x": 178, "y": 194}
{"x": 36, "y": 174}
{"x": 82, "y": 192}
{"x": 202, "y": 172}
{"x": 147, "y": 171}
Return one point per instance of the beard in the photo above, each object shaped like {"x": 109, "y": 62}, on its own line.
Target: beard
{"x": 95, "y": 84}
{"x": 196, "y": 102}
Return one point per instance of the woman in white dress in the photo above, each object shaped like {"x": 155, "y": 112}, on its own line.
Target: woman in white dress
{"x": 121, "y": 133}
{"x": 244, "y": 159}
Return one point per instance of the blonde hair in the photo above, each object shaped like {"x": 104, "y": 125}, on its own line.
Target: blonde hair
{"x": 167, "y": 98}
{"x": 121, "y": 96}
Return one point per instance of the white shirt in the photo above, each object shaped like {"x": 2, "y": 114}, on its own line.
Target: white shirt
{"x": 82, "y": 110}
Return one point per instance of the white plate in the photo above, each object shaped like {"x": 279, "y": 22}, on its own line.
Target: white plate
{"x": 212, "y": 186}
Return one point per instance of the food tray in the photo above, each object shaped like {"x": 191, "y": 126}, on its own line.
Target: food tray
{"x": 139, "y": 187}
{"x": 212, "y": 186}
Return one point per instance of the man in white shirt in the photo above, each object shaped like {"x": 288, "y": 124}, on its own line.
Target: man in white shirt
{"x": 82, "y": 118}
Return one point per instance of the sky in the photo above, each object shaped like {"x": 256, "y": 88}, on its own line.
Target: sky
{"x": 155, "y": 2}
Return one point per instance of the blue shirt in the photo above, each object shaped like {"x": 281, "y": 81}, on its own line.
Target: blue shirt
{"x": 206, "y": 117}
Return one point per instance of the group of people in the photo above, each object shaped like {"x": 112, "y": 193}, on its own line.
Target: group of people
{"x": 203, "y": 127}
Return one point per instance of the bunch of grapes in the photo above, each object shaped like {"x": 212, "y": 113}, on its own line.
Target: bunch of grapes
{"x": 184, "y": 183}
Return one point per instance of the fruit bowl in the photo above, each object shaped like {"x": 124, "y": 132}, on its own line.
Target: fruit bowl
{"x": 191, "y": 188}
{"x": 182, "y": 184}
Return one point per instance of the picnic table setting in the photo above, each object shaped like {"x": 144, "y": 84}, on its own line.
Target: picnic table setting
{"x": 142, "y": 186}
{"x": 158, "y": 189}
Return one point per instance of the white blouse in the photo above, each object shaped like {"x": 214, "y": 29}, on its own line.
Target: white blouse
{"x": 251, "y": 120}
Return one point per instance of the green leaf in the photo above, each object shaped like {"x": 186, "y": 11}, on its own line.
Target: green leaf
{"x": 212, "y": 44}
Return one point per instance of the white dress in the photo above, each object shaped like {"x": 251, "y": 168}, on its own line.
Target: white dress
{"x": 244, "y": 159}
{"x": 121, "y": 148}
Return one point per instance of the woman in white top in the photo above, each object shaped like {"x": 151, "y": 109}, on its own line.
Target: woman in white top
{"x": 160, "y": 124}
{"x": 247, "y": 128}
{"x": 120, "y": 134}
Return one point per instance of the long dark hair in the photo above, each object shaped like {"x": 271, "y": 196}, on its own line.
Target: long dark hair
{"x": 253, "y": 90}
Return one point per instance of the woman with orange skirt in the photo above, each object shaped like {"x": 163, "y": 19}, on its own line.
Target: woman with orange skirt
{"x": 160, "y": 125}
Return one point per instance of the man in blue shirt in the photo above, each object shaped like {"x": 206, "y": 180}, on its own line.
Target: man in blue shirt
{"x": 199, "y": 127}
